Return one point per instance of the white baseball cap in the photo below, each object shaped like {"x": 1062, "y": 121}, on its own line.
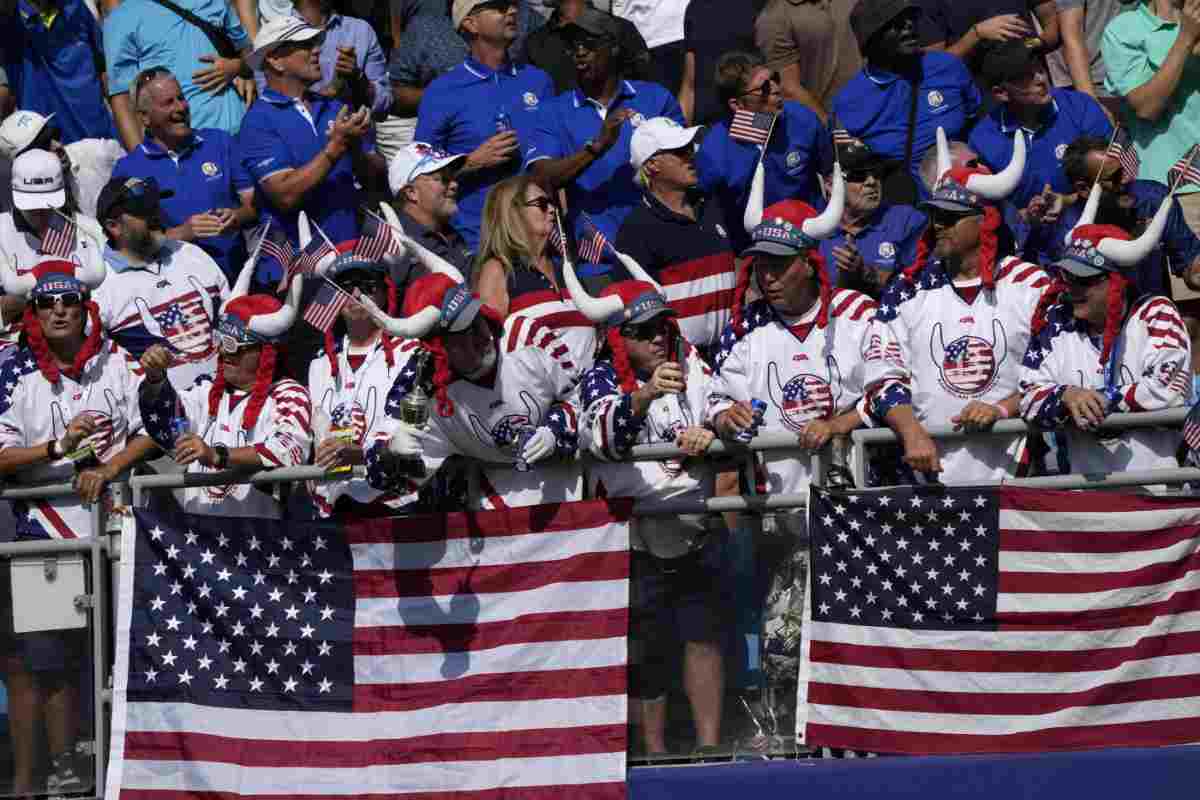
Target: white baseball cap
{"x": 279, "y": 31}
{"x": 19, "y": 131}
{"x": 414, "y": 160}
{"x": 655, "y": 135}
{"x": 37, "y": 181}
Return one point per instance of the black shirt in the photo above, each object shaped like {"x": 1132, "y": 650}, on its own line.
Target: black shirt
{"x": 450, "y": 246}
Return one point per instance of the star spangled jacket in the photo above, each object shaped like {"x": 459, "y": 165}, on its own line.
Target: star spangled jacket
{"x": 1153, "y": 357}
{"x": 534, "y": 376}
{"x": 933, "y": 350}
{"x": 174, "y": 299}
{"x": 801, "y": 371}
{"x": 354, "y": 400}
{"x": 33, "y": 411}
{"x": 282, "y": 436}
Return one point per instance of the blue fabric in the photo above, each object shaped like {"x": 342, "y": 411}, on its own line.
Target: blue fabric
{"x": 888, "y": 242}
{"x": 873, "y": 107}
{"x": 275, "y": 136}
{"x": 54, "y": 71}
{"x": 139, "y": 34}
{"x": 606, "y": 190}
{"x": 799, "y": 148}
{"x": 1179, "y": 243}
{"x": 1071, "y": 114}
{"x": 205, "y": 175}
{"x": 458, "y": 114}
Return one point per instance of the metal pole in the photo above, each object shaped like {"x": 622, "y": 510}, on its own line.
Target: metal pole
{"x": 99, "y": 644}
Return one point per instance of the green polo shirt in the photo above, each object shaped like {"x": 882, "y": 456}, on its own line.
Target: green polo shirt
{"x": 1135, "y": 45}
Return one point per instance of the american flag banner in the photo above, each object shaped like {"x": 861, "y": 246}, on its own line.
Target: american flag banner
{"x": 324, "y": 308}
{"x": 1186, "y": 170}
{"x": 465, "y": 656}
{"x": 375, "y": 239}
{"x": 1001, "y": 619}
{"x": 1121, "y": 148}
{"x": 752, "y": 127}
{"x": 59, "y": 239}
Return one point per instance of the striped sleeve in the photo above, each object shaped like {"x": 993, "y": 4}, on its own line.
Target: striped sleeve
{"x": 1165, "y": 375}
{"x": 291, "y": 436}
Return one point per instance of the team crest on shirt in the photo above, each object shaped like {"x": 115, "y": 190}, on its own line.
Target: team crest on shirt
{"x": 969, "y": 365}
{"x": 209, "y": 168}
{"x": 806, "y": 396}
{"x": 721, "y": 231}
{"x": 887, "y": 250}
{"x": 793, "y": 159}
{"x": 935, "y": 99}
{"x": 531, "y": 100}
{"x": 1060, "y": 151}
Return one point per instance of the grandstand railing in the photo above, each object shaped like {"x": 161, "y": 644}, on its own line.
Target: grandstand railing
{"x": 103, "y": 551}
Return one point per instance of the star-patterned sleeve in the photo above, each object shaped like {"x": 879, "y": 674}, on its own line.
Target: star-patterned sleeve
{"x": 612, "y": 427}
{"x": 887, "y": 382}
{"x": 159, "y": 412}
{"x": 731, "y": 383}
{"x": 1041, "y": 371}
{"x": 12, "y": 400}
{"x": 290, "y": 441}
{"x": 1166, "y": 374}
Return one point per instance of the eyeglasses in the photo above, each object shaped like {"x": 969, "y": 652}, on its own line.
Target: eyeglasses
{"x": 542, "y": 203}
{"x": 763, "y": 90}
{"x": 47, "y": 302}
{"x": 861, "y": 175}
{"x": 941, "y": 218}
{"x": 589, "y": 44}
{"x": 230, "y": 346}
{"x": 364, "y": 285}
{"x": 644, "y": 331}
{"x": 1080, "y": 281}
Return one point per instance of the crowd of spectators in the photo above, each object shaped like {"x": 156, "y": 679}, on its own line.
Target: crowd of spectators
{"x": 502, "y": 232}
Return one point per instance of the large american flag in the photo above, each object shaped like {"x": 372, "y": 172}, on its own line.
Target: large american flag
{"x": 752, "y": 127}
{"x": 465, "y": 656}
{"x": 59, "y": 239}
{"x": 324, "y": 308}
{"x": 1121, "y": 148}
{"x": 1186, "y": 170}
{"x": 1003, "y": 619}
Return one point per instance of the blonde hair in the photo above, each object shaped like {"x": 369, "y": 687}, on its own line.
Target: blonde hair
{"x": 503, "y": 235}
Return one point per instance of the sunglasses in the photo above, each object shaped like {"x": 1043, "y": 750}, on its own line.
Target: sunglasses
{"x": 1082, "y": 282}
{"x": 644, "y": 331}
{"x": 763, "y": 90}
{"x": 47, "y": 302}
{"x": 941, "y": 218}
{"x": 230, "y": 346}
{"x": 589, "y": 44}
{"x": 542, "y": 203}
{"x": 364, "y": 285}
{"x": 861, "y": 175}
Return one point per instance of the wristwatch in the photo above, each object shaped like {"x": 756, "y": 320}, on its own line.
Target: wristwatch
{"x": 593, "y": 148}
{"x": 222, "y": 455}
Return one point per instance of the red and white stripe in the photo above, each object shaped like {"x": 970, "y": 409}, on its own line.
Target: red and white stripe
{"x": 701, "y": 292}
{"x": 1098, "y": 642}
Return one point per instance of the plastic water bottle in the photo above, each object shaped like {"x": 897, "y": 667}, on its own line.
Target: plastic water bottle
{"x": 758, "y": 408}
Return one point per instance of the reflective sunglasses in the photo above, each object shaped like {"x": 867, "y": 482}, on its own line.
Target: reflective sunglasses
{"x": 764, "y": 89}
{"x": 644, "y": 331}
{"x": 47, "y": 302}
{"x": 229, "y": 345}
{"x": 542, "y": 203}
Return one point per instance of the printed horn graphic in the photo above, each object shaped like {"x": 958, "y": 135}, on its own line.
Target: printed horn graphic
{"x": 199, "y": 289}
{"x": 371, "y": 408}
{"x": 999, "y": 342}
{"x": 58, "y": 419}
{"x": 937, "y": 345}
{"x": 532, "y": 412}
{"x": 149, "y": 321}
{"x": 774, "y": 385}
{"x": 834, "y": 373}
{"x": 481, "y": 431}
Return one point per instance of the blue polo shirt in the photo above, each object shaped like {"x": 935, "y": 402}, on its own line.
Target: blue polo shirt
{"x": 874, "y": 105}
{"x": 1069, "y": 115}
{"x": 1178, "y": 246}
{"x": 56, "y": 70}
{"x": 888, "y": 241}
{"x": 280, "y": 133}
{"x": 606, "y": 190}
{"x": 458, "y": 113}
{"x": 799, "y": 148}
{"x": 205, "y": 174}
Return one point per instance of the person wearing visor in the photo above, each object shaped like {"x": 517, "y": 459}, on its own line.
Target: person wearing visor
{"x": 159, "y": 290}
{"x": 1106, "y": 348}
{"x": 469, "y": 391}
{"x": 45, "y": 220}
{"x": 349, "y": 384}
{"x": 304, "y": 151}
{"x": 86, "y": 163}
{"x": 676, "y": 231}
{"x": 947, "y": 342}
{"x": 873, "y": 238}
{"x": 584, "y": 137}
{"x": 424, "y": 185}
{"x": 649, "y": 386}
{"x": 69, "y": 415}
{"x": 247, "y": 417}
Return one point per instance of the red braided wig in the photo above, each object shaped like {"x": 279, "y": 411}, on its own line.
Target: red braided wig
{"x": 924, "y": 248}
{"x": 745, "y": 272}
{"x": 1050, "y": 295}
{"x": 825, "y": 290}
{"x": 989, "y": 246}
{"x": 263, "y": 379}
{"x": 1117, "y": 285}
{"x": 36, "y": 338}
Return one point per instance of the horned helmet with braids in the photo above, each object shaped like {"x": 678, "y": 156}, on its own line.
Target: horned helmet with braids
{"x": 253, "y": 319}
{"x": 967, "y": 189}
{"x": 55, "y": 277}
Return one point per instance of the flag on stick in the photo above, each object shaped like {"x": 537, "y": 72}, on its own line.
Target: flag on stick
{"x": 753, "y": 127}
{"x": 324, "y": 309}
{"x": 1185, "y": 170}
{"x": 1121, "y": 148}
{"x": 59, "y": 240}
{"x": 375, "y": 240}
{"x": 594, "y": 243}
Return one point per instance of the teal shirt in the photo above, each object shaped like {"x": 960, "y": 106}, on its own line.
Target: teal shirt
{"x": 1135, "y": 45}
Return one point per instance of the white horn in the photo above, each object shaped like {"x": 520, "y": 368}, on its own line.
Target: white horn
{"x": 304, "y": 229}
{"x": 1002, "y": 184}
{"x": 1129, "y": 253}
{"x": 826, "y": 223}
{"x": 429, "y": 259}
{"x": 326, "y": 260}
{"x": 944, "y": 161}
{"x": 17, "y": 285}
{"x": 636, "y": 270}
{"x": 241, "y": 287}
{"x": 597, "y": 309}
{"x": 415, "y": 327}
{"x": 1089, "y": 211}
{"x": 92, "y": 276}
{"x": 754, "y": 203}
{"x": 277, "y": 323}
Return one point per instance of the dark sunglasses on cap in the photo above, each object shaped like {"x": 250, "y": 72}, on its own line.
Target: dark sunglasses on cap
{"x": 644, "y": 331}
{"x": 764, "y": 89}
{"x": 47, "y": 302}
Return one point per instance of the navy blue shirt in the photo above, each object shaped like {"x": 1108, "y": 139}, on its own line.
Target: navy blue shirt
{"x": 887, "y": 242}
{"x": 606, "y": 190}
{"x": 458, "y": 113}
{"x": 276, "y": 136}
{"x": 874, "y": 105}
{"x": 56, "y": 70}
{"x": 205, "y": 175}
{"x": 1071, "y": 114}
{"x": 1179, "y": 245}
{"x": 798, "y": 149}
